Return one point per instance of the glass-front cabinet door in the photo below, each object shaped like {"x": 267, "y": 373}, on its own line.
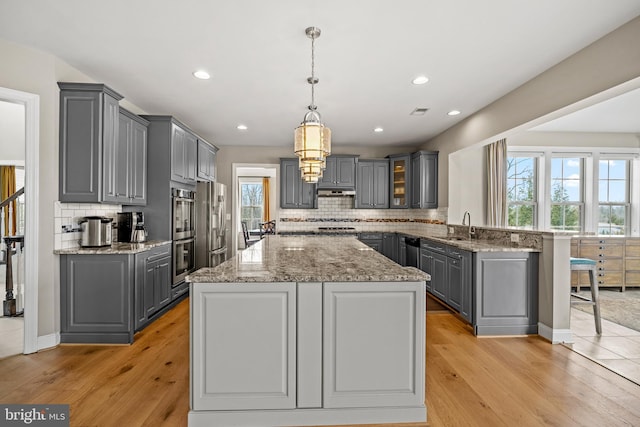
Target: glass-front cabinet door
{"x": 399, "y": 181}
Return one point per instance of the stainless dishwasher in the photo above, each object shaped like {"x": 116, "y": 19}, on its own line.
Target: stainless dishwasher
{"x": 413, "y": 250}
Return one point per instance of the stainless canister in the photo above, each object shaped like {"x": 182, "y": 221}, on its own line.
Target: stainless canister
{"x": 96, "y": 231}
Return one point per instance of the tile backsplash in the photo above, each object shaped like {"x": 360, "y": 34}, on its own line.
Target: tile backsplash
{"x": 67, "y": 216}
{"x": 340, "y": 212}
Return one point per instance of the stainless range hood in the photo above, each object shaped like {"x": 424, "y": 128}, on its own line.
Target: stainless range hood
{"x": 336, "y": 193}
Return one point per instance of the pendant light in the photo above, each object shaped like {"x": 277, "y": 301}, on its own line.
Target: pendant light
{"x": 312, "y": 138}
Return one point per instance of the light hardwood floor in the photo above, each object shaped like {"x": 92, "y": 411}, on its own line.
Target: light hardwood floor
{"x": 470, "y": 381}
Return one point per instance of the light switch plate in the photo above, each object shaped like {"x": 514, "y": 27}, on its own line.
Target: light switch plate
{"x": 515, "y": 237}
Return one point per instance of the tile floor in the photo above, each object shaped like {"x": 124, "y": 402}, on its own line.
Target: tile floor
{"x": 11, "y": 336}
{"x": 618, "y": 348}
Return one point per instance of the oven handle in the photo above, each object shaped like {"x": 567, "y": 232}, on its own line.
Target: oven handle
{"x": 183, "y": 241}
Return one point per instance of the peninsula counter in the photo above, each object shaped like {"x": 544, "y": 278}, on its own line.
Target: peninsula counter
{"x": 307, "y": 330}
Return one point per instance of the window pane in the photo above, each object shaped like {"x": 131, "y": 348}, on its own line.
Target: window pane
{"x": 566, "y": 217}
{"x": 572, "y": 190}
{"x": 617, "y": 169}
{"x": 617, "y": 191}
{"x": 251, "y": 204}
{"x": 612, "y": 219}
{"x": 521, "y": 216}
{"x": 556, "y": 168}
{"x": 604, "y": 169}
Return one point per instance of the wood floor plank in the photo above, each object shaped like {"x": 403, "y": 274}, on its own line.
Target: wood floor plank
{"x": 469, "y": 381}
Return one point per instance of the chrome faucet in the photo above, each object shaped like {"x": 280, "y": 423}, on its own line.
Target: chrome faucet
{"x": 464, "y": 217}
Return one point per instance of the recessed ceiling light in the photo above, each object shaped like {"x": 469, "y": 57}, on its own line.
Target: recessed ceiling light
{"x": 453, "y": 113}
{"x": 420, "y": 80}
{"x": 242, "y": 127}
{"x": 378, "y": 129}
{"x": 201, "y": 74}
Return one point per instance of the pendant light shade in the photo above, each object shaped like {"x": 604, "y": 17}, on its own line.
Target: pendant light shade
{"x": 312, "y": 139}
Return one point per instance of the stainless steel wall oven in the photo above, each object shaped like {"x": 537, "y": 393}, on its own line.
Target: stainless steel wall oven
{"x": 184, "y": 230}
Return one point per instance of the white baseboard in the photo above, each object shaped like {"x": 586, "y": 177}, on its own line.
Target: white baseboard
{"x": 556, "y": 336}
{"x": 48, "y": 341}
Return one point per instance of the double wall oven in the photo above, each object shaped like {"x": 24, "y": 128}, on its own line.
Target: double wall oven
{"x": 184, "y": 232}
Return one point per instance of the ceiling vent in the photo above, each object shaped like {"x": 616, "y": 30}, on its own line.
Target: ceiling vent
{"x": 419, "y": 111}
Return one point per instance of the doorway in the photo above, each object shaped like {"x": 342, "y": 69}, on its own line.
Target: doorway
{"x": 31, "y": 125}
{"x": 251, "y": 175}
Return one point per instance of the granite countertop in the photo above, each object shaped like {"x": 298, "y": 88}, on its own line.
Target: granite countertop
{"x": 118, "y": 248}
{"x": 308, "y": 259}
{"x": 473, "y": 245}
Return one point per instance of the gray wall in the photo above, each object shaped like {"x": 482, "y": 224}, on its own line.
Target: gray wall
{"x": 608, "y": 62}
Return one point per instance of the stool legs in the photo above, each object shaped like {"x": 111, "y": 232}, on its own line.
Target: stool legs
{"x": 596, "y": 300}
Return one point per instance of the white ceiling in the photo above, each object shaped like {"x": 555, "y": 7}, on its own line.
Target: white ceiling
{"x": 619, "y": 114}
{"x": 473, "y": 51}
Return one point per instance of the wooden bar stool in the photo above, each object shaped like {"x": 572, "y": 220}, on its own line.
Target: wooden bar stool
{"x": 586, "y": 264}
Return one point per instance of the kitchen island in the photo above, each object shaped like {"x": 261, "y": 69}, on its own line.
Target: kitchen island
{"x": 307, "y": 330}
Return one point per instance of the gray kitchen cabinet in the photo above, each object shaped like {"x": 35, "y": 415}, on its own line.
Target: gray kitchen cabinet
{"x": 339, "y": 173}
{"x": 206, "y": 161}
{"x": 372, "y": 184}
{"x": 125, "y": 162}
{"x": 184, "y": 146}
{"x": 89, "y": 119}
{"x": 96, "y": 298}
{"x": 402, "y": 251}
{"x": 373, "y": 240}
{"x": 506, "y": 293}
{"x": 294, "y": 192}
{"x": 399, "y": 181}
{"x": 106, "y": 298}
{"x": 424, "y": 180}
{"x": 390, "y": 246}
{"x": 450, "y": 269}
{"x": 152, "y": 283}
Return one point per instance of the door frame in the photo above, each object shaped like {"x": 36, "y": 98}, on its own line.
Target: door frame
{"x": 31, "y": 103}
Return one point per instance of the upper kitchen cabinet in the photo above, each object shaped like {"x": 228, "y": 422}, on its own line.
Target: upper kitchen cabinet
{"x": 206, "y": 161}
{"x": 372, "y": 190}
{"x": 89, "y": 122}
{"x": 173, "y": 150}
{"x": 125, "y": 162}
{"x": 399, "y": 181}
{"x": 294, "y": 192}
{"x": 339, "y": 173}
{"x": 184, "y": 147}
{"x": 424, "y": 180}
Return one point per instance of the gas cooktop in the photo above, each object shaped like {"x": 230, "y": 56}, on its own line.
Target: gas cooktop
{"x": 336, "y": 228}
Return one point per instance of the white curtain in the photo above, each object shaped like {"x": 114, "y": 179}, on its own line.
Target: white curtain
{"x": 497, "y": 184}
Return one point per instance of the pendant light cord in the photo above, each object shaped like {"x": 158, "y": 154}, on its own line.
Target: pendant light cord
{"x": 313, "y": 76}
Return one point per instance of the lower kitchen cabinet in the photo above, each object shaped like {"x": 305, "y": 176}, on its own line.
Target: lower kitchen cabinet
{"x": 153, "y": 283}
{"x": 306, "y": 347}
{"x": 506, "y": 293}
{"x": 390, "y": 246}
{"x": 373, "y": 240}
{"x": 496, "y": 292}
{"x": 106, "y": 298}
{"x": 96, "y": 297}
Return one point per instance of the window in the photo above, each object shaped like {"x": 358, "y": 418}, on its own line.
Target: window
{"x": 251, "y": 209}
{"x": 613, "y": 197}
{"x": 566, "y": 193}
{"x": 521, "y": 191}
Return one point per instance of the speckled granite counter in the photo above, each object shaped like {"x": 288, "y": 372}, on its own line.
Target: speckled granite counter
{"x": 473, "y": 245}
{"x": 114, "y": 249}
{"x": 308, "y": 259}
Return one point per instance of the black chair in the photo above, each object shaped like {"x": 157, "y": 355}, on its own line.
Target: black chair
{"x": 247, "y": 237}
{"x": 268, "y": 227}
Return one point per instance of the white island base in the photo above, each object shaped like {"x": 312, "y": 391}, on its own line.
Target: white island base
{"x": 307, "y": 353}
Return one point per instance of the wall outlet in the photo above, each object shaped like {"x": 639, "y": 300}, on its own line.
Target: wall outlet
{"x": 451, "y": 230}
{"x": 515, "y": 237}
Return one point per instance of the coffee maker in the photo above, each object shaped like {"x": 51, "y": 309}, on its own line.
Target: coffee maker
{"x": 131, "y": 227}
